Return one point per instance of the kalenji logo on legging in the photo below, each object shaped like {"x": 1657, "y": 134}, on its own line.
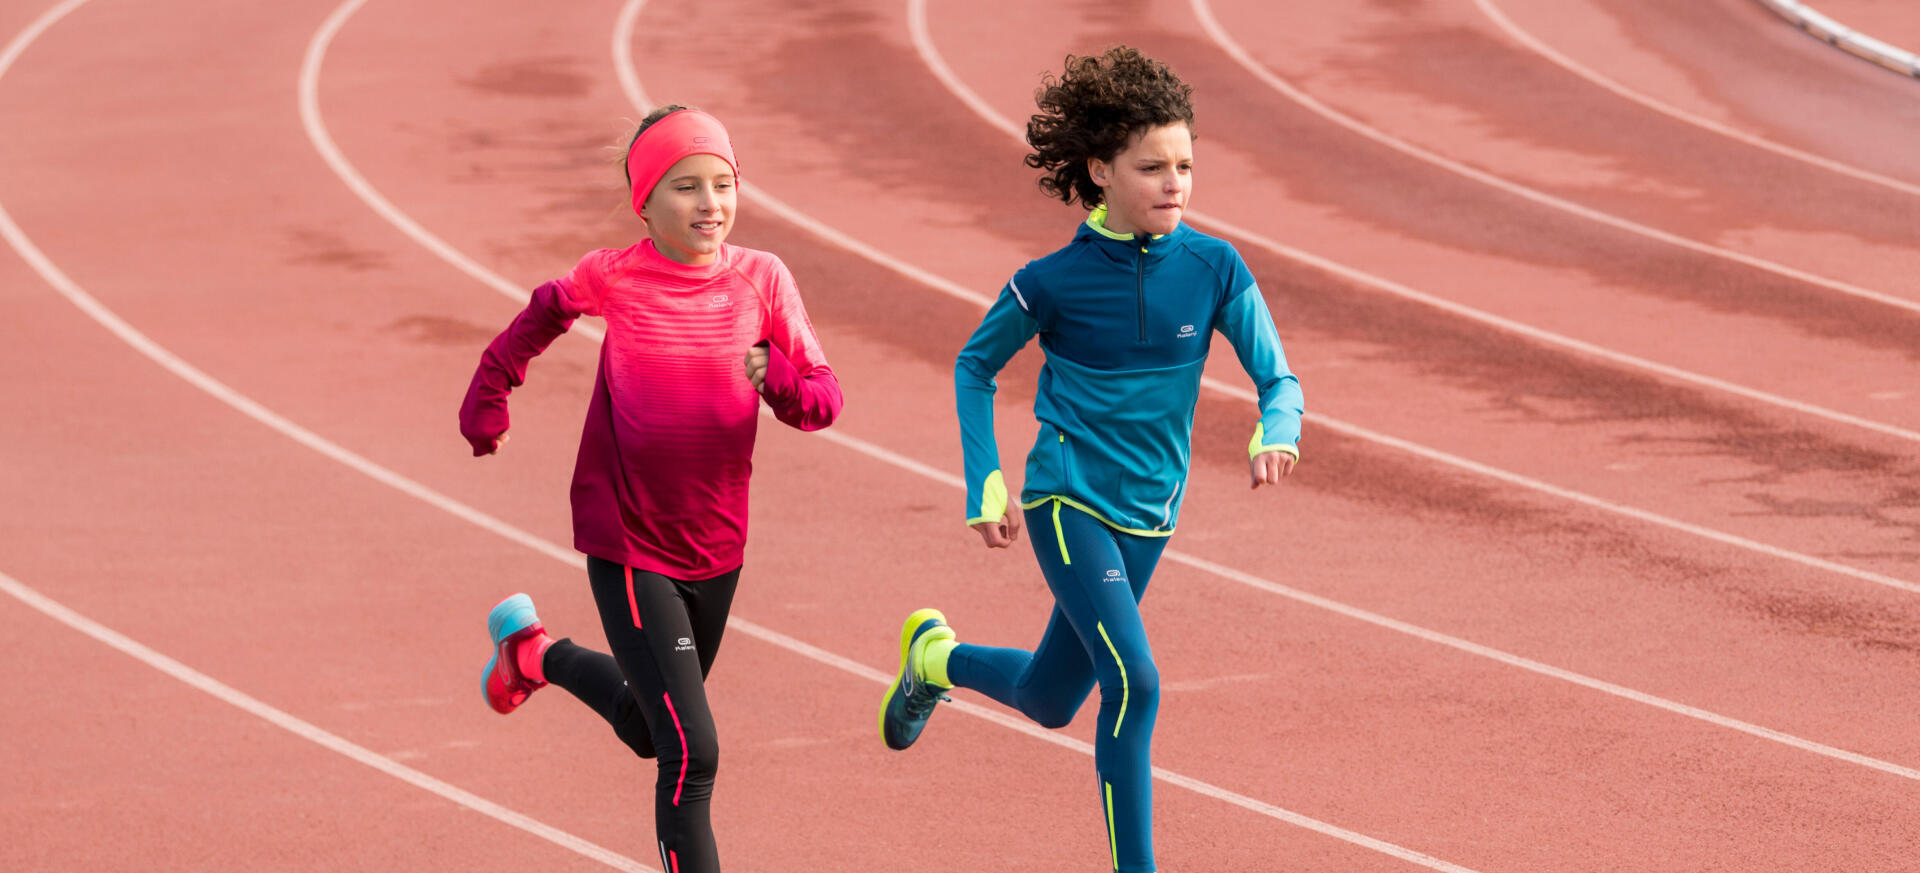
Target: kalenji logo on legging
{"x": 683, "y": 645}
{"x": 1115, "y": 576}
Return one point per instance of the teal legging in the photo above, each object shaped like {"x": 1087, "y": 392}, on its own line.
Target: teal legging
{"x": 1097, "y": 575}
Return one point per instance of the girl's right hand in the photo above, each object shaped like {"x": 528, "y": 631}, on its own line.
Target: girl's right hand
{"x": 483, "y": 419}
{"x": 1000, "y": 534}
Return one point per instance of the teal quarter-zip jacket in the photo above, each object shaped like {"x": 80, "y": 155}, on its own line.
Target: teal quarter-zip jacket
{"x": 1125, "y": 322}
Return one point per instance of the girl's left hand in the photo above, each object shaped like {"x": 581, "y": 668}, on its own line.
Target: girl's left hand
{"x": 756, "y": 364}
{"x": 1269, "y": 468}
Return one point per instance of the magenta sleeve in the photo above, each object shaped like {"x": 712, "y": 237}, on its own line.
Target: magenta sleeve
{"x": 809, "y": 400}
{"x": 503, "y": 366}
{"x": 799, "y": 386}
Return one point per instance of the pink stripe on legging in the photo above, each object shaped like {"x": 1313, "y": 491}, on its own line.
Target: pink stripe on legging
{"x": 632, "y": 604}
{"x": 683, "y": 748}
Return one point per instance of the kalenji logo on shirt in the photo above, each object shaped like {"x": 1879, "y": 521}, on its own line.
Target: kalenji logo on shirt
{"x": 1187, "y": 332}
{"x": 719, "y": 300}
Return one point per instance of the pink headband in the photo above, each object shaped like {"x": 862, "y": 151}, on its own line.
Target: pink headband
{"x": 679, "y": 134}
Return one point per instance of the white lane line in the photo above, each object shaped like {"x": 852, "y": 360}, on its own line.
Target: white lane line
{"x": 1575, "y": 67}
{"x": 316, "y": 126}
{"x": 1246, "y": 61}
{"x": 308, "y": 731}
{"x": 930, "y": 55}
{"x": 1620, "y": 509}
{"x": 1543, "y": 669}
{"x": 323, "y": 142}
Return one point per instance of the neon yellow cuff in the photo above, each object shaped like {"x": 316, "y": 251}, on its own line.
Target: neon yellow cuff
{"x": 993, "y": 499}
{"x": 1256, "y": 447}
{"x": 935, "y": 662}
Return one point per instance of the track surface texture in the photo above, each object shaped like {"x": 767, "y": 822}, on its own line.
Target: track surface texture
{"x": 1604, "y": 553}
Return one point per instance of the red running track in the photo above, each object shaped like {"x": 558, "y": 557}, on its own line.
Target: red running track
{"x": 1489, "y": 651}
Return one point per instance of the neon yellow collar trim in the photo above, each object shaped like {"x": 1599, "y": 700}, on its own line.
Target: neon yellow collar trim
{"x": 1097, "y": 219}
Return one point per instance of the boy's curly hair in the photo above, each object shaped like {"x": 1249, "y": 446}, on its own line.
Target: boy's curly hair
{"x": 1093, "y": 109}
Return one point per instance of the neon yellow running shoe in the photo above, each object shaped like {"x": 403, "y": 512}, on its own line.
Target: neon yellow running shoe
{"x": 911, "y": 698}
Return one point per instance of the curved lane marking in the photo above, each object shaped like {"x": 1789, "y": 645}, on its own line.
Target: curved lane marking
{"x": 308, "y": 731}
{"x": 67, "y": 288}
{"x": 1575, "y": 67}
{"x": 1246, "y": 61}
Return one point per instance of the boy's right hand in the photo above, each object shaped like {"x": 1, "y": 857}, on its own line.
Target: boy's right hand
{"x": 1000, "y": 534}
{"x": 491, "y": 447}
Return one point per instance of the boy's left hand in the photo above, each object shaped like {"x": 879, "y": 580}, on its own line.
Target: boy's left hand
{"x": 1269, "y": 468}
{"x": 756, "y": 364}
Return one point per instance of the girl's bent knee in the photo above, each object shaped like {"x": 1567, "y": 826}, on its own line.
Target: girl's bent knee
{"x": 702, "y": 754}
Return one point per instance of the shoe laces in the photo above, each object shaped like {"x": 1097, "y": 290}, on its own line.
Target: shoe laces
{"x": 921, "y": 698}
{"x": 921, "y": 695}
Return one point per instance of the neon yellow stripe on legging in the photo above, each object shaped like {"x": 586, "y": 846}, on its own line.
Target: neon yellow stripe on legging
{"x": 1102, "y": 628}
{"x": 1059, "y": 534}
{"x": 1113, "y": 843}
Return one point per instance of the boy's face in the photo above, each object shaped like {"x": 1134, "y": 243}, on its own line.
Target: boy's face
{"x": 1147, "y": 184}
{"x": 690, "y": 212}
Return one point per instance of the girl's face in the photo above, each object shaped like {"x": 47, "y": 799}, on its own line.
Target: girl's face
{"x": 691, "y": 211}
{"x": 1146, "y": 185}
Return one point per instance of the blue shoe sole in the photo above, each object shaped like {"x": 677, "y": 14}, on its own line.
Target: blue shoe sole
{"x": 483, "y": 679}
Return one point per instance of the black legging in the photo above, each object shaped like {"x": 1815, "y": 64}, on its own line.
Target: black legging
{"x": 664, "y": 634}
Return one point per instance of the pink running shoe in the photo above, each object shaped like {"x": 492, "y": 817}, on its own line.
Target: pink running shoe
{"x": 512, "y": 624}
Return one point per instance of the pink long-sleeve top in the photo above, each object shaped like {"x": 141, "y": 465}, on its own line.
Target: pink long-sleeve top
{"x": 661, "y": 479}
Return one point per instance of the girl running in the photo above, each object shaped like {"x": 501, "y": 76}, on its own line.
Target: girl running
{"x": 1124, "y": 312}
{"x": 698, "y": 333}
